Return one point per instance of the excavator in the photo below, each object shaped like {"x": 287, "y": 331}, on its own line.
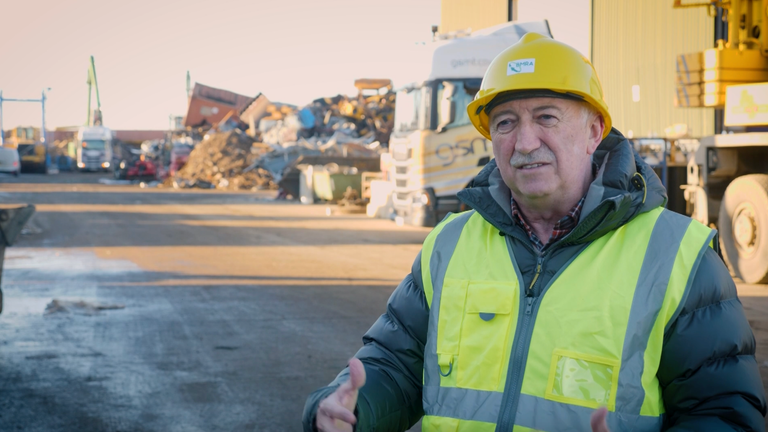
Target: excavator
{"x": 727, "y": 173}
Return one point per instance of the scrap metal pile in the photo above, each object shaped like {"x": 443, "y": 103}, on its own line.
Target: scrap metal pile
{"x": 220, "y": 161}
{"x": 345, "y": 131}
{"x": 362, "y": 120}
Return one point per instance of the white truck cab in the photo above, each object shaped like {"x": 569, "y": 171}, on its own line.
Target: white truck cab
{"x": 434, "y": 148}
{"x": 94, "y": 148}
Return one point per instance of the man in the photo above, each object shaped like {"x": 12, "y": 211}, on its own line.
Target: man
{"x": 567, "y": 299}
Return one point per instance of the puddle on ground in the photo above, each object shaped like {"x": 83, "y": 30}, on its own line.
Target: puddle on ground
{"x": 71, "y": 261}
{"x": 23, "y": 306}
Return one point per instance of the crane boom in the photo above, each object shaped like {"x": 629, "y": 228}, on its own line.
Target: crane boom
{"x": 96, "y": 120}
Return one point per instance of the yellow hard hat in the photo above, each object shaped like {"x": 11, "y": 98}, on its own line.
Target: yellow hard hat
{"x": 537, "y": 66}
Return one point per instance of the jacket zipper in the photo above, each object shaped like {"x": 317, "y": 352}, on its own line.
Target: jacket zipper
{"x": 529, "y": 297}
{"x": 517, "y": 361}
{"x": 523, "y": 334}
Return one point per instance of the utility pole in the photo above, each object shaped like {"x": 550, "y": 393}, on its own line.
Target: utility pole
{"x": 2, "y": 132}
{"x": 42, "y": 102}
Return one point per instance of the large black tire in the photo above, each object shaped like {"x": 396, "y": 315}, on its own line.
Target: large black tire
{"x": 743, "y": 225}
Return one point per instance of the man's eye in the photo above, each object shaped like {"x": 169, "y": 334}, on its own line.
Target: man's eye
{"x": 547, "y": 119}
{"x": 505, "y": 125}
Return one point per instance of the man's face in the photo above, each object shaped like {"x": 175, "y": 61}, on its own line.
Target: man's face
{"x": 543, "y": 146}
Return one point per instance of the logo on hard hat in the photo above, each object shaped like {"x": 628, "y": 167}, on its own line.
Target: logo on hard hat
{"x": 521, "y": 66}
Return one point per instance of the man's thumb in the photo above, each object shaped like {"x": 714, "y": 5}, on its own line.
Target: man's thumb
{"x": 356, "y": 373}
{"x": 597, "y": 421}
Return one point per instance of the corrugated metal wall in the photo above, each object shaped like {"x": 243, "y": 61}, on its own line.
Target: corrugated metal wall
{"x": 477, "y": 14}
{"x": 634, "y": 42}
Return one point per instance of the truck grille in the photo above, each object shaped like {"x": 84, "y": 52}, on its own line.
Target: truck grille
{"x": 403, "y": 155}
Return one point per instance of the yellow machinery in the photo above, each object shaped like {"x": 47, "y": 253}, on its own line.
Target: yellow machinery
{"x": 727, "y": 181}
{"x": 703, "y": 77}
{"x": 32, "y": 150}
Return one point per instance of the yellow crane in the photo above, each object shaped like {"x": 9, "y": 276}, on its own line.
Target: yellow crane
{"x": 727, "y": 181}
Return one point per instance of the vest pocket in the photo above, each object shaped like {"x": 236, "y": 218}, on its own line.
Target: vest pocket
{"x": 582, "y": 379}
{"x": 452, "y": 302}
{"x": 484, "y": 334}
{"x": 439, "y": 424}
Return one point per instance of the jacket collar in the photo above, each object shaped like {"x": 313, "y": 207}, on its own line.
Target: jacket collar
{"x": 625, "y": 186}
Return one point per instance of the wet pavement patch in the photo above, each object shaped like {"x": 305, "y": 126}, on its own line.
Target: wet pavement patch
{"x": 86, "y": 355}
{"x": 43, "y": 356}
{"x": 200, "y": 392}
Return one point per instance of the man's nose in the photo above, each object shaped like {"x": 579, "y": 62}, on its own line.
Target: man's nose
{"x": 527, "y": 138}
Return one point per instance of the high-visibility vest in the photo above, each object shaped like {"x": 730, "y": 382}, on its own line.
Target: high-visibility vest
{"x": 592, "y": 338}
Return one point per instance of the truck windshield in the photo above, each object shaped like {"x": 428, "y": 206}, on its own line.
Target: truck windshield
{"x": 94, "y": 144}
{"x": 459, "y": 93}
{"x": 410, "y": 109}
{"x": 26, "y": 149}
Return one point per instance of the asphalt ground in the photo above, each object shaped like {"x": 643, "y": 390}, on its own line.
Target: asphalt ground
{"x": 236, "y": 306}
{"x": 229, "y": 308}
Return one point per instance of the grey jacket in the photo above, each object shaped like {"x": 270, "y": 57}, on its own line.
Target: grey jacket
{"x": 708, "y": 372}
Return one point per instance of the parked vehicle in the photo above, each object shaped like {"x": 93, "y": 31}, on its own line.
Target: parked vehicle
{"x": 9, "y": 161}
{"x": 141, "y": 168}
{"x": 29, "y": 144}
{"x": 435, "y": 149}
{"x": 179, "y": 156}
{"x": 33, "y": 157}
{"x": 727, "y": 181}
{"x": 94, "y": 148}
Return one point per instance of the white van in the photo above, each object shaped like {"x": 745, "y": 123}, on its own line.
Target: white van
{"x": 9, "y": 161}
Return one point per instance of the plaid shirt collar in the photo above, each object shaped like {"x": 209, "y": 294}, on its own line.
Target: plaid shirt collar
{"x": 561, "y": 229}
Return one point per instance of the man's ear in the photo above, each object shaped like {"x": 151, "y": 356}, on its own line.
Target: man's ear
{"x": 596, "y": 128}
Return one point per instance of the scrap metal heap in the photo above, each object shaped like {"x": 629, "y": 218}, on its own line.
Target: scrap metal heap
{"x": 247, "y": 151}
{"x": 219, "y": 161}
{"x": 338, "y": 119}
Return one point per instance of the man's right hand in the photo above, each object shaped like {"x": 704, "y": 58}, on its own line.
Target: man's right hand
{"x": 336, "y": 413}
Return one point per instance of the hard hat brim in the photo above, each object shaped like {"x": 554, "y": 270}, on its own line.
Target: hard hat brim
{"x": 480, "y": 109}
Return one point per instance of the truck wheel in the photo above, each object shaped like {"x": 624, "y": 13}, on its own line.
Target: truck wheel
{"x": 743, "y": 225}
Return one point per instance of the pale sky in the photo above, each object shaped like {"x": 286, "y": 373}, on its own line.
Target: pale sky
{"x": 291, "y": 50}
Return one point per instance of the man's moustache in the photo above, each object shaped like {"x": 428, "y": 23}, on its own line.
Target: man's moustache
{"x": 539, "y": 156}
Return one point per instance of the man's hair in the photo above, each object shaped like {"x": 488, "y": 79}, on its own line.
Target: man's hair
{"x": 588, "y": 110}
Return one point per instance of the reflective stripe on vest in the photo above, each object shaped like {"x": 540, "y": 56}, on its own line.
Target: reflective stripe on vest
{"x": 597, "y": 332}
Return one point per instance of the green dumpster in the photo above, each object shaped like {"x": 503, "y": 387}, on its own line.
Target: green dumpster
{"x": 331, "y": 187}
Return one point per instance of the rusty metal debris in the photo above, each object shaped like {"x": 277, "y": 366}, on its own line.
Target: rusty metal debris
{"x": 262, "y": 144}
{"x": 363, "y": 119}
{"x": 220, "y": 160}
